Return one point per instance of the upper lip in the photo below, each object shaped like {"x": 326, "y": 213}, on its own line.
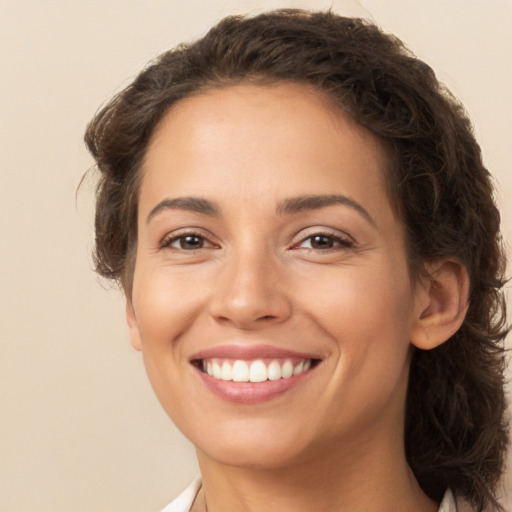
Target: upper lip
{"x": 250, "y": 352}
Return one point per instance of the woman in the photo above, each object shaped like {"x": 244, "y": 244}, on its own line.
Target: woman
{"x": 299, "y": 216}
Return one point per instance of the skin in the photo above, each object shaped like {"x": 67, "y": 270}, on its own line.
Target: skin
{"x": 254, "y": 275}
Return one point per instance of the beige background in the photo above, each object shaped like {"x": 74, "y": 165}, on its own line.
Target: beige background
{"x": 80, "y": 430}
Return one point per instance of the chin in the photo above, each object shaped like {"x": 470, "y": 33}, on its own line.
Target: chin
{"x": 258, "y": 448}
{"x": 242, "y": 455}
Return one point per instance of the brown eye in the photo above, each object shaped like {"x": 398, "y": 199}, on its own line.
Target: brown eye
{"x": 321, "y": 242}
{"x": 186, "y": 242}
{"x": 189, "y": 242}
{"x": 324, "y": 242}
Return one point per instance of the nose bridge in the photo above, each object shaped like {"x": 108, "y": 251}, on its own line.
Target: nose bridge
{"x": 250, "y": 289}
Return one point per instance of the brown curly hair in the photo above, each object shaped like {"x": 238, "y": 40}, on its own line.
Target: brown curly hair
{"x": 456, "y": 432}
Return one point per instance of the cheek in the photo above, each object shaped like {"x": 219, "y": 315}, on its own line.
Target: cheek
{"x": 368, "y": 333}
{"x": 165, "y": 306}
{"x": 367, "y": 317}
{"x": 359, "y": 300}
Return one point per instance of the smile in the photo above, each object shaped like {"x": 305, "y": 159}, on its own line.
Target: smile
{"x": 251, "y": 374}
{"x": 259, "y": 370}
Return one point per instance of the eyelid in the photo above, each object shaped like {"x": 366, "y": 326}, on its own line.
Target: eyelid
{"x": 344, "y": 239}
{"x": 169, "y": 238}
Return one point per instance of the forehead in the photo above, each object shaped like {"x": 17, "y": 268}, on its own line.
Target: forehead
{"x": 262, "y": 140}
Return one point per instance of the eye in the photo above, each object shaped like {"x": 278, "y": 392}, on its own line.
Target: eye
{"x": 186, "y": 242}
{"x": 189, "y": 242}
{"x": 323, "y": 242}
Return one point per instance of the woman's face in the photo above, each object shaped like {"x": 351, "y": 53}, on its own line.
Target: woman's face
{"x": 266, "y": 246}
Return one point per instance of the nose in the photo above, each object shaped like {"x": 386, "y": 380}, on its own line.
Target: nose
{"x": 250, "y": 293}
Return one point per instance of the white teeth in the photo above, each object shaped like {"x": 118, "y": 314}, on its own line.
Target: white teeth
{"x": 255, "y": 371}
{"x": 226, "y": 371}
{"x": 216, "y": 370}
{"x": 287, "y": 370}
{"x": 274, "y": 371}
{"x": 258, "y": 372}
{"x": 240, "y": 371}
{"x": 298, "y": 369}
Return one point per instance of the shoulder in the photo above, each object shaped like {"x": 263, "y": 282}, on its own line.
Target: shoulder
{"x": 184, "y": 501}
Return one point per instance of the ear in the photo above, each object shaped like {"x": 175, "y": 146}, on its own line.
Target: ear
{"x": 442, "y": 303}
{"x": 133, "y": 327}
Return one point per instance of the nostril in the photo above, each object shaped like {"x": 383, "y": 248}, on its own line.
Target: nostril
{"x": 249, "y": 307}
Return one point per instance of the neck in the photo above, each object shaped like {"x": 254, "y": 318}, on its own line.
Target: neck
{"x": 361, "y": 478}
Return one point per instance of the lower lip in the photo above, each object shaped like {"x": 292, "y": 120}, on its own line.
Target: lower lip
{"x": 251, "y": 392}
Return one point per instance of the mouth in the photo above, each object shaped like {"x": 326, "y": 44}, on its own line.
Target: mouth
{"x": 251, "y": 374}
{"x": 254, "y": 370}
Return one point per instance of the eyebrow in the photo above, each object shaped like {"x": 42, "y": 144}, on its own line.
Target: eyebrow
{"x": 191, "y": 204}
{"x": 314, "y": 202}
{"x": 289, "y": 206}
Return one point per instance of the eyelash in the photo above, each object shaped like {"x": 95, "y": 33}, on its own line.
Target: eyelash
{"x": 168, "y": 241}
{"x": 337, "y": 241}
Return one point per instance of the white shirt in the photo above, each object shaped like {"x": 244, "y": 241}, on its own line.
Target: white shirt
{"x": 184, "y": 501}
